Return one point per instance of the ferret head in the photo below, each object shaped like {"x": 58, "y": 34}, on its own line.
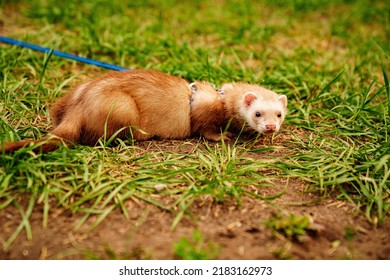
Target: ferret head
{"x": 264, "y": 113}
{"x": 262, "y": 110}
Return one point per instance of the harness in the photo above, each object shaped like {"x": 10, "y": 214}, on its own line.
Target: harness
{"x": 194, "y": 90}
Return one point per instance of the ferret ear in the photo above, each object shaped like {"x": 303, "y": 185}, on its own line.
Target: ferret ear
{"x": 283, "y": 99}
{"x": 249, "y": 97}
{"x": 226, "y": 87}
{"x": 193, "y": 86}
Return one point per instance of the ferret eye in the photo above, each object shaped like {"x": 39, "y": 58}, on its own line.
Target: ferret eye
{"x": 258, "y": 115}
{"x": 279, "y": 115}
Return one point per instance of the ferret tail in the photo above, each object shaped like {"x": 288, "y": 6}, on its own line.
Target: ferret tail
{"x": 44, "y": 145}
{"x": 65, "y": 134}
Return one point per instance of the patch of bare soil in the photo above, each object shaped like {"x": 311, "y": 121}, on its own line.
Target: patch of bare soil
{"x": 337, "y": 229}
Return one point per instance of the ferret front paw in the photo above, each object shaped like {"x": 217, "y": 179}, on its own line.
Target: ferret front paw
{"x": 218, "y": 137}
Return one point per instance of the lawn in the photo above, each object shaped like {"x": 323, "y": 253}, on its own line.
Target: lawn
{"x": 319, "y": 189}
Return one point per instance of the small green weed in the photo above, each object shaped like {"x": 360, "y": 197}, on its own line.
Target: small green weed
{"x": 196, "y": 248}
{"x": 291, "y": 226}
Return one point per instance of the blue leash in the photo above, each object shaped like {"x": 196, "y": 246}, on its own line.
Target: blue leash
{"x": 11, "y": 41}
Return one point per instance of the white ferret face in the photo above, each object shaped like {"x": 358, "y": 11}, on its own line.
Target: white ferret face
{"x": 264, "y": 111}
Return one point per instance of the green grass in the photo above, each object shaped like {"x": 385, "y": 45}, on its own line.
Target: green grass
{"x": 330, "y": 57}
{"x": 349, "y": 149}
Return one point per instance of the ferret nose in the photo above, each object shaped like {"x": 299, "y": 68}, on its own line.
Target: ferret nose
{"x": 270, "y": 127}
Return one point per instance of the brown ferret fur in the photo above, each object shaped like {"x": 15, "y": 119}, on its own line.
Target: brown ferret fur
{"x": 145, "y": 104}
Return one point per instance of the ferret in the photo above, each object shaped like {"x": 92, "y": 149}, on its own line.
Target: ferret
{"x": 145, "y": 104}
